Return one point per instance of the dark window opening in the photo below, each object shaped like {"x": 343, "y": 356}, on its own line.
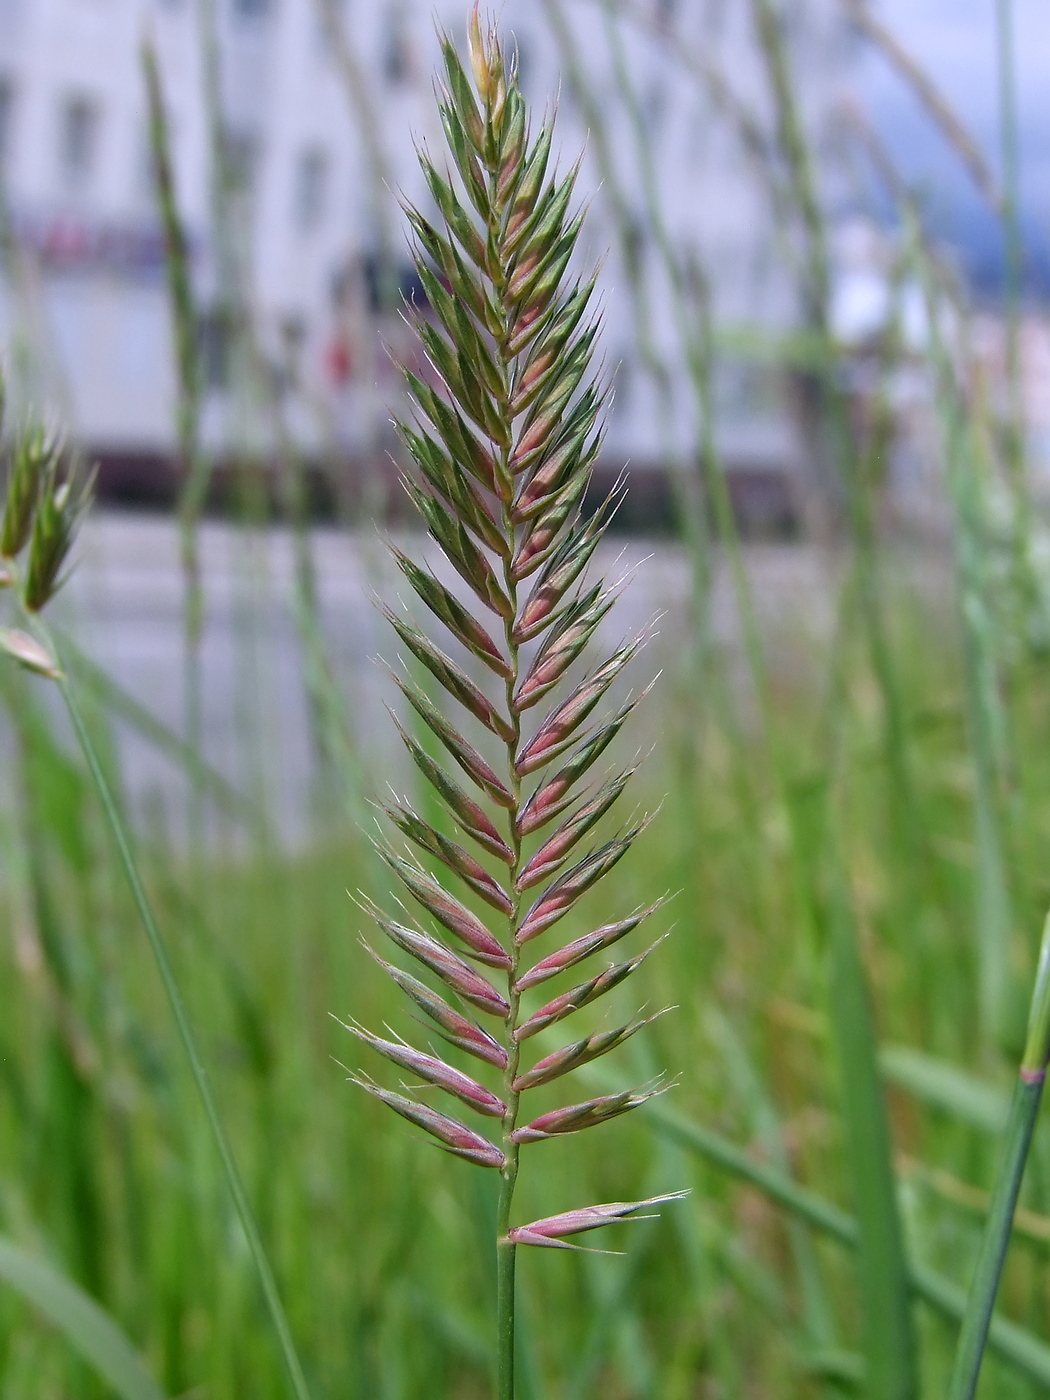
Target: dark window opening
{"x": 78, "y": 140}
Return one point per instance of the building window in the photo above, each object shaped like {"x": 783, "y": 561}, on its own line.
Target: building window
{"x": 78, "y": 141}
{"x": 311, "y": 189}
{"x": 398, "y": 63}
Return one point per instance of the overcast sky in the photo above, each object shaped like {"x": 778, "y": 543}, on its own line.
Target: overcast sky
{"x": 955, "y": 41}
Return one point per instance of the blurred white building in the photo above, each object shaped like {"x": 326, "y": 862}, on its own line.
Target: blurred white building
{"x": 319, "y": 126}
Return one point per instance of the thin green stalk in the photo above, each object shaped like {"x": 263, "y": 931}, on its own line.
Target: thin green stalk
{"x": 890, "y": 1340}
{"x": 194, "y": 461}
{"x": 852, "y": 489}
{"x": 512, "y": 343}
{"x": 745, "y": 123}
{"x": 985, "y": 714}
{"x": 1013, "y": 441}
{"x": 930, "y": 97}
{"x": 338, "y": 768}
{"x": 506, "y": 1250}
{"x": 1020, "y": 1126}
{"x": 182, "y": 1021}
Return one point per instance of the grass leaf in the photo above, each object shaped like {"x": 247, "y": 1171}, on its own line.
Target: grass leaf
{"x": 80, "y": 1320}
{"x": 889, "y": 1339}
{"x": 943, "y": 1085}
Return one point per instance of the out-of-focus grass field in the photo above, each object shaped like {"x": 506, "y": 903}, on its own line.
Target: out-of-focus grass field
{"x": 380, "y": 1243}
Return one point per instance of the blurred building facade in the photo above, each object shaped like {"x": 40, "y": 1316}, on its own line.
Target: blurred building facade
{"x": 294, "y": 125}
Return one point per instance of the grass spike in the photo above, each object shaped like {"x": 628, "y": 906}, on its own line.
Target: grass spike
{"x": 502, "y": 446}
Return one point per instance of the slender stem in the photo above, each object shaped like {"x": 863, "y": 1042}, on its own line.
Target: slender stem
{"x": 182, "y": 1021}
{"x": 505, "y": 1248}
{"x": 1020, "y": 1126}
{"x": 506, "y": 1253}
{"x": 973, "y": 1337}
{"x": 193, "y": 463}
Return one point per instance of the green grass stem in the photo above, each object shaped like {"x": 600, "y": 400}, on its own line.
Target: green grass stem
{"x": 1020, "y": 1128}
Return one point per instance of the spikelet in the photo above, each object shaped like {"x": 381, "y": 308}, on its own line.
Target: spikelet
{"x": 504, "y": 436}
{"x": 43, "y": 508}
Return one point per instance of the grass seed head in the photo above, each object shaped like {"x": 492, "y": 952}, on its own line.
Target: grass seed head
{"x": 500, "y": 449}
{"x": 64, "y": 502}
{"x": 30, "y": 463}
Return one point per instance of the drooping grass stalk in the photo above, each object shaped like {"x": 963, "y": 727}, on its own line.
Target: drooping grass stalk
{"x": 43, "y": 512}
{"x": 503, "y": 445}
{"x": 698, "y": 60}
{"x": 1028, "y": 1094}
{"x": 937, "y": 107}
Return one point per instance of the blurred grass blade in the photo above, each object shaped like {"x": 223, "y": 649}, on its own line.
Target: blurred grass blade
{"x": 889, "y": 1338}
{"x": 80, "y": 1320}
{"x": 125, "y": 707}
{"x": 173, "y": 991}
{"x": 748, "y": 1087}
{"x": 986, "y": 713}
{"x": 945, "y": 1086}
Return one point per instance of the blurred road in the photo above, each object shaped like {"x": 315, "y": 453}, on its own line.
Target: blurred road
{"x": 124, "y": 606}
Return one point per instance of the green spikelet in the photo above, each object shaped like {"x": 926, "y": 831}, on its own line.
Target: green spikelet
{"x": 503, "y": 441}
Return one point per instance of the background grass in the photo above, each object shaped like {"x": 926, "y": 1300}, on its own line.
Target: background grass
{"x": 867, "y": 803}
{"x": 378, "y": 1241}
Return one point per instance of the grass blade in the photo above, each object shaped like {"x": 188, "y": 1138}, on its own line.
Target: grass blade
{"x": 889, "y": 1339}
{"x": 945, "y": 1086}
{"x": 1010, "y": 1342}
{"x": 80, "y": 1320}
{"x": 178, "y": 1008}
